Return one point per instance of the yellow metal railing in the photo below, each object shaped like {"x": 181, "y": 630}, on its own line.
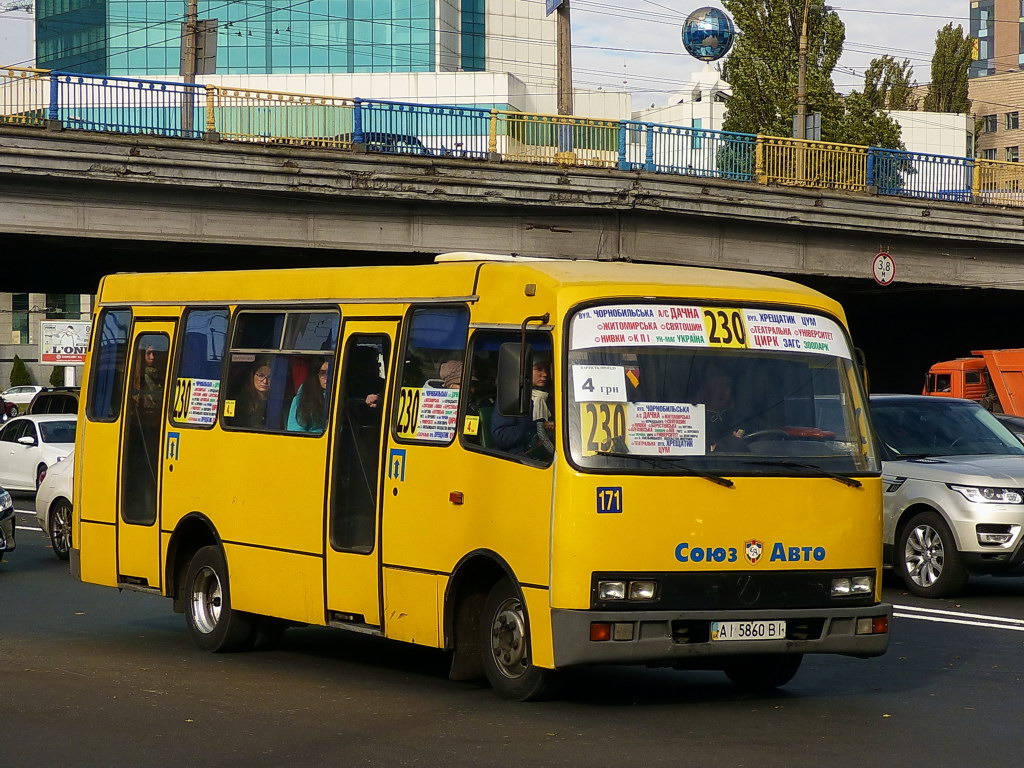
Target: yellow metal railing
{"x": 998, "y": 182}
{"x": 804, "y": 163}
{"x": 277, "y": 117}
{"x": 554, "y": 139}
{"x": 24, "y": 95}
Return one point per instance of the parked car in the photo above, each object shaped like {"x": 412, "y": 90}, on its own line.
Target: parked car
{"x": 1013, "y": 423}
{"x": 953, "y": 492}
{"x": 20, "y": 397}
{"x": 391, "y": 143}
{"x": 30, "y": 444}
{"x": 7, "y": 543}
{"x": 55, "y": 400}
{"x": 53, "y": 505}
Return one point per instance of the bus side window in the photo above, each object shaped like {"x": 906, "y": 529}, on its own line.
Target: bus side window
{"x": 273, "y": 357}
{"x": 110, "y": 356}
{"x": 482, "y": 426}
{"x": 196, "y": 382}
{"x": 431, "y": 379}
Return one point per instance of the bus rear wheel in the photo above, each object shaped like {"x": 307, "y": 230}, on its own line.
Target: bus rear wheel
{"x": 212, "y": 623}
{"x": 505, "y": 647}
{"x": 761, "y": 674}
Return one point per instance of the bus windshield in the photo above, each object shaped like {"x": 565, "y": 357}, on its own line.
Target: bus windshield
{"x": 666, "y": 387}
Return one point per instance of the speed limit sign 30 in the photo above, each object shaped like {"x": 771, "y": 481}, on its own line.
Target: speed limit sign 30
{"x": 883, "y": 269}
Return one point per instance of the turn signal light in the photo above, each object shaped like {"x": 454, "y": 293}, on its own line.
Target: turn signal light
{"x": 873, "y": 625}
{"x": 600, "y": 631}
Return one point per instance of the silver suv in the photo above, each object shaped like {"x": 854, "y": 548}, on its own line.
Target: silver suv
{"x": 953, "y": 481}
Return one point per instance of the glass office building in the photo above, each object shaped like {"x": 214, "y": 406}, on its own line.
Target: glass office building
{"x": 257, "y": 37}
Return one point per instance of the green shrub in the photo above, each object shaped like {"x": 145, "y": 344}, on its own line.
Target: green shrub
{"x": 57, "y": 376}
{"x": 19, "y": 373}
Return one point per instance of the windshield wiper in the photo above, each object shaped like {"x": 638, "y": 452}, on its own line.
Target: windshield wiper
{"x": 654, "y": 461}
{"x": 846, "y": 480}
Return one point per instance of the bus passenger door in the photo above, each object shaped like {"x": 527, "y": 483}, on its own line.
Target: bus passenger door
{"x": 138, "y": 520}
{"x": 353, "y": 522}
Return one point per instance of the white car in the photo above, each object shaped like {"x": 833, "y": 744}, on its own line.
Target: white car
{"x": 53, "y": 505}
{"x": 30, "y": 444}
{"x": 20, "y": 397}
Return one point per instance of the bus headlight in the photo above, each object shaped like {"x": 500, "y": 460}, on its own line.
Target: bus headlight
{"x": 642, "y": 590}
{"x": 858, "y": 585}
{"x": 611, "y": 590}
{"x": 627, "y": 590}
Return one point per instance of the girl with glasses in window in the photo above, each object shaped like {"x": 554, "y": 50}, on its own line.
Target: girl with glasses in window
{"x": 251, "y": 407}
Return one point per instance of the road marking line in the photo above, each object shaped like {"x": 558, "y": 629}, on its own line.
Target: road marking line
{"x": 957, "y": 613}
{"x": 943, "y": 620}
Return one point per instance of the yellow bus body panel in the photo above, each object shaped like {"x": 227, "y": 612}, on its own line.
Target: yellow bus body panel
{"x": 411, "y": 606}
{"x": 274, "y": 583}
{"x": 98, "y": 545}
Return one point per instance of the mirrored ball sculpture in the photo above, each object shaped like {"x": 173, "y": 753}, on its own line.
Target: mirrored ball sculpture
{"x": 708, "y": 34}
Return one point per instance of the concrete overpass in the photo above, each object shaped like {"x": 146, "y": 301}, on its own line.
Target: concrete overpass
{"x": 116, "y": 202}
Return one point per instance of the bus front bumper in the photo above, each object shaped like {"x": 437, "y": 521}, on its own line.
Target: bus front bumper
{"x": 684, "y": 638}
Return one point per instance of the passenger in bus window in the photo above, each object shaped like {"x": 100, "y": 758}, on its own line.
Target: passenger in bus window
{"x": 716, "y": 393}
{"x": 149, "y": 381}
{"x": 308, "y": 412}
{"x": 366, "y": 385}
{"x": 251, "y": 406}
{"x": 451, "y": 374}
{"x": 529, "y": 435}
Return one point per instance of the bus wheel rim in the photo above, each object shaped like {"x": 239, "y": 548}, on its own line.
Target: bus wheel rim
{"x": 207, "y": 600}
{"x": 508, "y": 639}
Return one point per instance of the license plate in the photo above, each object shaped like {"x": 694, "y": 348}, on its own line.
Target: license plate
{"x": 748, "y": 630}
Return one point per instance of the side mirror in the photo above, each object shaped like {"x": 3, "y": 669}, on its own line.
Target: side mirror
{"x": 515, "y": 370}
{"x": 27, "y": 440}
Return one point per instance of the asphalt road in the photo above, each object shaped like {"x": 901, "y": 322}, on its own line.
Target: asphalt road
{"x": 93, "y": 677}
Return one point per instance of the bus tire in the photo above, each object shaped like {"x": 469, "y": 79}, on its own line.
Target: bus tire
{"x": 212, "y": 623}
{"x": 761, "y": 674}
{"x": 505, "y": 647}
{"x": 927, "y": 558}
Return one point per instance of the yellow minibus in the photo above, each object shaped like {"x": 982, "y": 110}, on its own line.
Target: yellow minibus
{"x": 532, "y": 463}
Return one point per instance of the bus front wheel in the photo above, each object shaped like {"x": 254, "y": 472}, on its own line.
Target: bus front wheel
{"x": 760, "y": 674}
{"x": 505, "y": 646}
{"x": 212, "y": 623}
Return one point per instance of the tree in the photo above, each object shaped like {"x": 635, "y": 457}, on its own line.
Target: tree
{"x": 57, "y": 376}
{"x": 763, "y": 67}
{"x": 888, "y": 85}
{"x": 950, "y": 64}
{"x": 20, "y": 376}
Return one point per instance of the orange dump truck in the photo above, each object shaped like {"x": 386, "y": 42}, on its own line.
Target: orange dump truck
{"x": 993, "y": 377}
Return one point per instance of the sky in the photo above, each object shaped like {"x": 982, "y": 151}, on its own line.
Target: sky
{"x": 635, "y": 45}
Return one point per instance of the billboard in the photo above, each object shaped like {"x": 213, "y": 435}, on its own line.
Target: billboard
{"x": 63, "y": 342}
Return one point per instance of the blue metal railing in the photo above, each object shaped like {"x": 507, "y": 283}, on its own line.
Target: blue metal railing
{"x": 916, "y": 174}
{"x": 686, "y": 151}
{"x": 127, "y": 105}
{"x": 422, "y": 129}
{"x": 141, "y": 106}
